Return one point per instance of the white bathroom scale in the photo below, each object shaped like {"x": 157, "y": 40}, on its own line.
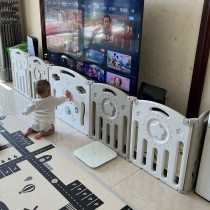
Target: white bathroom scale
{"x": 95, "y": 154}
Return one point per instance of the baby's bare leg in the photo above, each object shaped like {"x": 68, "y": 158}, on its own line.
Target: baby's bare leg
{"x": 42, "y": 133}
{"x": 28, "y": 131}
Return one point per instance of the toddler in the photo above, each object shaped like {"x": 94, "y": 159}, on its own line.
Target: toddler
{"x": 44, "y": 108}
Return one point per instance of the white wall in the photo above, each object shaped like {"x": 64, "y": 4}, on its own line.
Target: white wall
{"x": 30, "y": 19}
{"x": 205, "y": 100}
{"x": 169, "y": 41}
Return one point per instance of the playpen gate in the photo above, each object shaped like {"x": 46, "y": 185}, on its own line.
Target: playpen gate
{"x": 111, "y": 117}
{"x": 19, "y": 63}
{"x": 37, "y": 70}
{"x": 77, "y": 112}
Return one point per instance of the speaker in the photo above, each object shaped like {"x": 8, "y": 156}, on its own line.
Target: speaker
{"x": 152, "y": 93}
{"x": 33, "y": 48}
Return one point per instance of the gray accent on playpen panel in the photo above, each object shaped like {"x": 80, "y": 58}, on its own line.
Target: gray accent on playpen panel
{"x": 198, "y": 136}
{"x": 203, "y": 182}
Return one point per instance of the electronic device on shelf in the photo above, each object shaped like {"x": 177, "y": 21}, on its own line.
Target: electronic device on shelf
{"x": 152, "y": 93}
{"x": 33, "y": 49}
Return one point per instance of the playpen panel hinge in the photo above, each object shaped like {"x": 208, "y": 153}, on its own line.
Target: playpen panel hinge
{"x": 48, "y": 65}
{"x": 27, "y": 55}
{"x": 190, "y": 122}
{"x": 133, "y": 99}
{"x": 182, "y": 191}
{"x": 89, "y": 82}
{"x": 129, "y": 160}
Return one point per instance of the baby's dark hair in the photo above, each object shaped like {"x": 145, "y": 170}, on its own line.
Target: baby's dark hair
{"x": 42, "y": 86}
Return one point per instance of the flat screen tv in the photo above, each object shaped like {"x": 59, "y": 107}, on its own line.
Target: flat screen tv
{"x": 98, "y": 39}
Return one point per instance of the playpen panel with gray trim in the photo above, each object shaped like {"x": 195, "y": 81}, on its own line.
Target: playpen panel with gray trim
{"x": 160, "y": 142}
{"x": 38, "y": 70}
{"x": 19, "y": 62}
{"x": 203, "y": 181}
{"x": 111, "y": 117}
{"x": 196, "y": 145}
{"x": 77, "y": 112}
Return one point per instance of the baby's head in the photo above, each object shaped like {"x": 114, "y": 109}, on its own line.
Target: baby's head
{"x": 43, "y": 88}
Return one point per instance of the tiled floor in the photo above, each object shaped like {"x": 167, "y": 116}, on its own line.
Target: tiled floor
{"x": 138, "y": 188}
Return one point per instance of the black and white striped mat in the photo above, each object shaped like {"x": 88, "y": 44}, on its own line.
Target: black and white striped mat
{"x": 36, "y": 175}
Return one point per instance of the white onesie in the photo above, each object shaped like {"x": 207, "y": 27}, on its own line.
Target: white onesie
{"x": 44, "y": 109}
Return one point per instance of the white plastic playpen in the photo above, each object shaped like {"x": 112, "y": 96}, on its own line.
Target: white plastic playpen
{"x": 76, "y": 112}
{"x": 19, "y": 64}
{"x": 111, "y": 117}
{"x": 37, "y": 70}
{"x": 152, "y": 136}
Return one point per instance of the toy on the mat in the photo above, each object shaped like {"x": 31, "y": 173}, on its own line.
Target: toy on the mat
{"x": 44, "y": 109}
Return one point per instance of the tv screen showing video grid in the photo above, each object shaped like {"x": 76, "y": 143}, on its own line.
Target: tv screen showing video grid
{"x": 99, "y": 39}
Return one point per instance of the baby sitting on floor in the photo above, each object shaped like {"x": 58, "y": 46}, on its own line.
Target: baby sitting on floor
{"x": 44, "y": 108}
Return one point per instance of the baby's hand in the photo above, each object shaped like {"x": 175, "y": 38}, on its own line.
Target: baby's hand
{"x": 68, "y": 95}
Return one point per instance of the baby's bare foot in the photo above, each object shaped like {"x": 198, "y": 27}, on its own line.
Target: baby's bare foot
{"x": 38, "y": 135}
{"x": 28, "y": 132}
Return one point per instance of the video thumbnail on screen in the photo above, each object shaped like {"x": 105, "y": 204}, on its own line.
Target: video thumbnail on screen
{"x": 94, "y": 73}
{"x": 109, "y": 30}
{"x": 118, "y": 61}
{"x": 118, "y": 81}
{"x": 66, "y": 26}
{"x": 95, "y": 56}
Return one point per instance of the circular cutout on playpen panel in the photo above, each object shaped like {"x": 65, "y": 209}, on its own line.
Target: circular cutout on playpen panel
{"x": 37, "y": 73}
{"x": 109, "y": 108}
{"x": 19, "y": 64}
{"x": 157, "y": 131}
{"x": 38, "y": 70}
{"x": 67, "y": 110}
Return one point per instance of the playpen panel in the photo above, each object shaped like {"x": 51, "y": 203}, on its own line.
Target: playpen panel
{"x": 198, "y": 136}
{"x": 111, "y": 117}
{"x": 19, "y": 63}
{"x": 160, "y": 142}
{"x": 203, "y": 181}
{"x": 37, "y": 70}
{"x": 77, "y": 112}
